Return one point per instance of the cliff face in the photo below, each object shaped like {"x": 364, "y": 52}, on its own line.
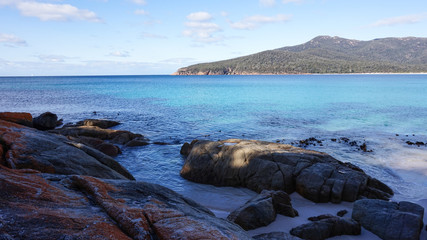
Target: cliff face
{"x": 326, "y": 54}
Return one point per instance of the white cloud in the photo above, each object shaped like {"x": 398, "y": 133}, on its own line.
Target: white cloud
{"x": 52, "y": 12}
{"x": 201, "y": 28}
{"x": 291, "y": 1}
{"x": 151, "y": 35}
{"x": 141, "y": 12}
{"x": 52, "y": 58}
{"x": 119, "y": 54}
{"x": 202, "y": 31}
{"x": 139, "y": 2}
{"x": 199, "y": 16}
{"x": 12, "y": 40}
{"x": 255, "y": 21}
{"x": 267, "y": 3}
{"x": 407, "y": 19}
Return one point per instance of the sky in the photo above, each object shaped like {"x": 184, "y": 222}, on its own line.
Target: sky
{"x": 142, "y": 37}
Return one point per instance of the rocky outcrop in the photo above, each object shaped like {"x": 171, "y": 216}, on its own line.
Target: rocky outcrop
{"x": 99, "y": 144}
{"x": 262, "y": 210}
{"x": 114, "y": 136}
{"x": 390, "y": 220}
{"x": 102, "y": 123}
{"x": 28, "y": 148}
{"x": 49, "y": 206}
{"x": 49, "y": 190}
{"x": 46, "y": 121}
{"x": 261, "y": 165}
{"x": 326, "y": 226}
{"x": 22, "y": 118}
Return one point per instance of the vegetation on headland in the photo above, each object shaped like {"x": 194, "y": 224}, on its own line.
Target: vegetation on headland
{"x": 325, "y": 54}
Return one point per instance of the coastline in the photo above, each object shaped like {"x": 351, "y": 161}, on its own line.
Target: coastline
{"x": 314, "y": 74}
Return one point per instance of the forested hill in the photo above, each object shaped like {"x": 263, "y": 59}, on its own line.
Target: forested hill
{"x": 325, "y": 54}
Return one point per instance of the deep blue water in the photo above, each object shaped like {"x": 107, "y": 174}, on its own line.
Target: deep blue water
{"x": 175, "y": 109}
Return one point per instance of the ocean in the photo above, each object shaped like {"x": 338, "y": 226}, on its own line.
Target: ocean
{"x": 341, "y": 111}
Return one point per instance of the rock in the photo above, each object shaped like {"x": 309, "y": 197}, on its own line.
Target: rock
{"x": 262, "y": 210}
{"x": 327, "y": 227}
{"x": 50, "y": 206}
{"x": 186, "y": 148}
{"x": 108, "y": 149}
{"x": 342, "y": 213}
{"x": 275, "y": 236}
{"x": 363, "y": 147}
{"x": 102, "y": 123}
{"x": 115, "y": 136}
{"x": 136, "y": 143}
{"x": 320, "y": 217}
{"x": 28, "y": 148}
{"x": 390, "y": 220}
{"x": 257, "y": 212}
{"x": 261, "y": 165}
{"x": 2, "y": 152}
{"x": 98, "y": 144}
{"x": 281, "y": 202}
{"x": 22, "y": 118}
{"x": 46, "y": 121}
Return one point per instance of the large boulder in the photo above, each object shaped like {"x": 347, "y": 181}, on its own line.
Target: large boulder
{"x": 49, "y": 206}
{"x": 325, "y": 227}
{"x": 22, "y": 118}
{"x": 262, "y": 209}
{"x": 390, "y": 220}
{"x": 260, "y": 165}
{"x": 28, "y": 148}
{"x": 46, "y": 121}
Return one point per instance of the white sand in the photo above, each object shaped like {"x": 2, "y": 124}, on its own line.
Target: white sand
{"x": 219, "y": 203}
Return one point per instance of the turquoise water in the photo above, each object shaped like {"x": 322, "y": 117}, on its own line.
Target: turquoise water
{"x": 175, "y": 109}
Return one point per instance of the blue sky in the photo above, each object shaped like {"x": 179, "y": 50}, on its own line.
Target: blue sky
{"x": 92, "y": 37}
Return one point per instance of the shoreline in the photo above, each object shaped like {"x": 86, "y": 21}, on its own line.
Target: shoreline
{"x": 172, "y": 74}
{"x": 225, "y": 199}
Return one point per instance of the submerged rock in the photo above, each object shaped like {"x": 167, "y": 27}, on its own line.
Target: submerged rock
{"x": 390, "y": 220}
{"x": 49, "y": 206}
{"x": 262, "y": 210}
{"x": 28, "y": 148}
{"x": 326, "y": 226}
{"x": 260, "y": 165}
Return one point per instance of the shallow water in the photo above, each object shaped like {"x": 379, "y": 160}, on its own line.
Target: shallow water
{"x": 176, "y": 109}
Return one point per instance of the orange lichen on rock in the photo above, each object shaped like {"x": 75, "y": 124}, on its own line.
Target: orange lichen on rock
{"x": 20, "y": 185}
{"x": 33, "y": 207}
{"x": 22, "y": 118}
{"x": 131, "y": 220}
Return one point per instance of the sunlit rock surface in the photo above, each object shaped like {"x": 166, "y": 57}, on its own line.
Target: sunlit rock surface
{"x": 260, "y": 165}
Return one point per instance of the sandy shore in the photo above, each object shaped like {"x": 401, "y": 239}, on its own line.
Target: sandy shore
{"x": 306, "y": 209}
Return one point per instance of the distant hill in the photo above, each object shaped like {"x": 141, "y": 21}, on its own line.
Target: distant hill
{"x": 325, "y": 54}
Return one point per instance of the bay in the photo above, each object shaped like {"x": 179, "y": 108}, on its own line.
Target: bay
{"x": 382, "y": 111}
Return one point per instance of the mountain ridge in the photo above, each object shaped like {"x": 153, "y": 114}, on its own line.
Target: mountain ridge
{"x": 326, "y": 54}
